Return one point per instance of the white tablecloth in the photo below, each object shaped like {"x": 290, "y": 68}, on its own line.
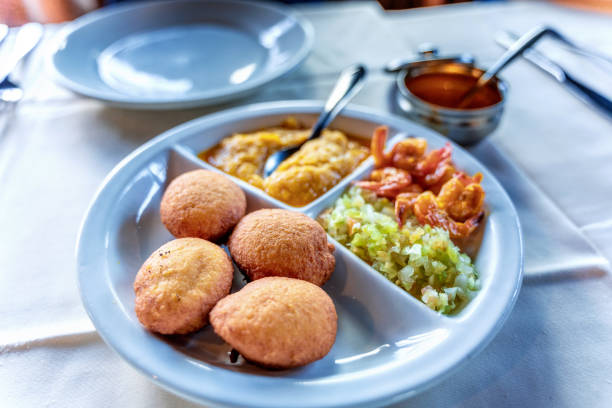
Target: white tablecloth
{"x": 552, "y": 153}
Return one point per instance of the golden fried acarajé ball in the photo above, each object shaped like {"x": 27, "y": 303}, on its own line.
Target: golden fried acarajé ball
{"x": 179, "y": 283}
{"x": 274, "y": 242}
{"x": 277, "y": 322}
{"x": 203, "y": 204}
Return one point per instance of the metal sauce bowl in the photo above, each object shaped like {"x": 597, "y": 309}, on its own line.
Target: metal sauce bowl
{"x": 464, "y": 126}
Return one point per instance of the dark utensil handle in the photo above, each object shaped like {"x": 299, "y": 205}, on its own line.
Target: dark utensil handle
{"x": 343, "y": 91}
{"x": 597, "y": 99}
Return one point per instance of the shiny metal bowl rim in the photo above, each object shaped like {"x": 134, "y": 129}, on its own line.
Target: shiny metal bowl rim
{"x": 502, "y": 87}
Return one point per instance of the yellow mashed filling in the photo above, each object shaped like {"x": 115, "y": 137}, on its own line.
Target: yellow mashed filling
{"x": 318, "y": 166}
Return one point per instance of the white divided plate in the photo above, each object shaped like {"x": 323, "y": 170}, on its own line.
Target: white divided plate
{"x": 180, "y": 53}
{"x": 389, "y": 345}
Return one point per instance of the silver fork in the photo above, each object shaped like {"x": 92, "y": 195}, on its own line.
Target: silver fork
{"x": 25, "y": 40}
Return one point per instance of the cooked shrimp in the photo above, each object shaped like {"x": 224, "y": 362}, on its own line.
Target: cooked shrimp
{"x": 377, "y": 146}
{"x": 405, "y": 202}
{"x": 387, "y": 182}
{"x": 460, "y": 201}
{"x": 453, "y": 199}
{"x": 404, "y": 155}
{"x": 467, "y": 180}
{"x": 434, "y": 181}
{"x": 407, "y": 153}
{"x": 436, "y": 158}
{"x": 427, "y": 211}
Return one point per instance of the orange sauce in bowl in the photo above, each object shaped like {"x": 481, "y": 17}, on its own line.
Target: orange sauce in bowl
{"x": 447, "y": 89}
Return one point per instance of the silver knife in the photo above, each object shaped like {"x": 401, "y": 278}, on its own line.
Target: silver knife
{"x": 584, "y": 92}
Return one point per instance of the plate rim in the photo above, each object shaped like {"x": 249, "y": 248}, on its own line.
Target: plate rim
{"x": 204, "y": 98}
{"x": 262, "y": 109}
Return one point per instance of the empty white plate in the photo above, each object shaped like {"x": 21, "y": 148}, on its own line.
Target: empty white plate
{"x": 177, "y": 54}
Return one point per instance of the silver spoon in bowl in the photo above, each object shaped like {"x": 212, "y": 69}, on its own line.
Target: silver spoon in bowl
{"x": 349, "y": 83}
{"x": 515, "y": 50}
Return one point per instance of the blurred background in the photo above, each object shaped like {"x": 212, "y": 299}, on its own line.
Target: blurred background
{"x": 17, "y": 12}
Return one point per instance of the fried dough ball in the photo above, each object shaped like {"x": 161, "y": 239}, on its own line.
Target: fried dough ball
{"x": 203, "y": 204}
{"x": 179, "y": 283}
{"x": 277, "y": 322}
{"x": 274, "y": 242}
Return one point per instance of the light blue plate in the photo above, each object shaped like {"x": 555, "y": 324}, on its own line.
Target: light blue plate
{"x": 181, "y": 53}
{"x": 389, "y": 345}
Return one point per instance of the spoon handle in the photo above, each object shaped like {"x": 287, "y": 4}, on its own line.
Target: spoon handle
{"x": 515, "y": 50}
{"x": 349, "y": 82}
